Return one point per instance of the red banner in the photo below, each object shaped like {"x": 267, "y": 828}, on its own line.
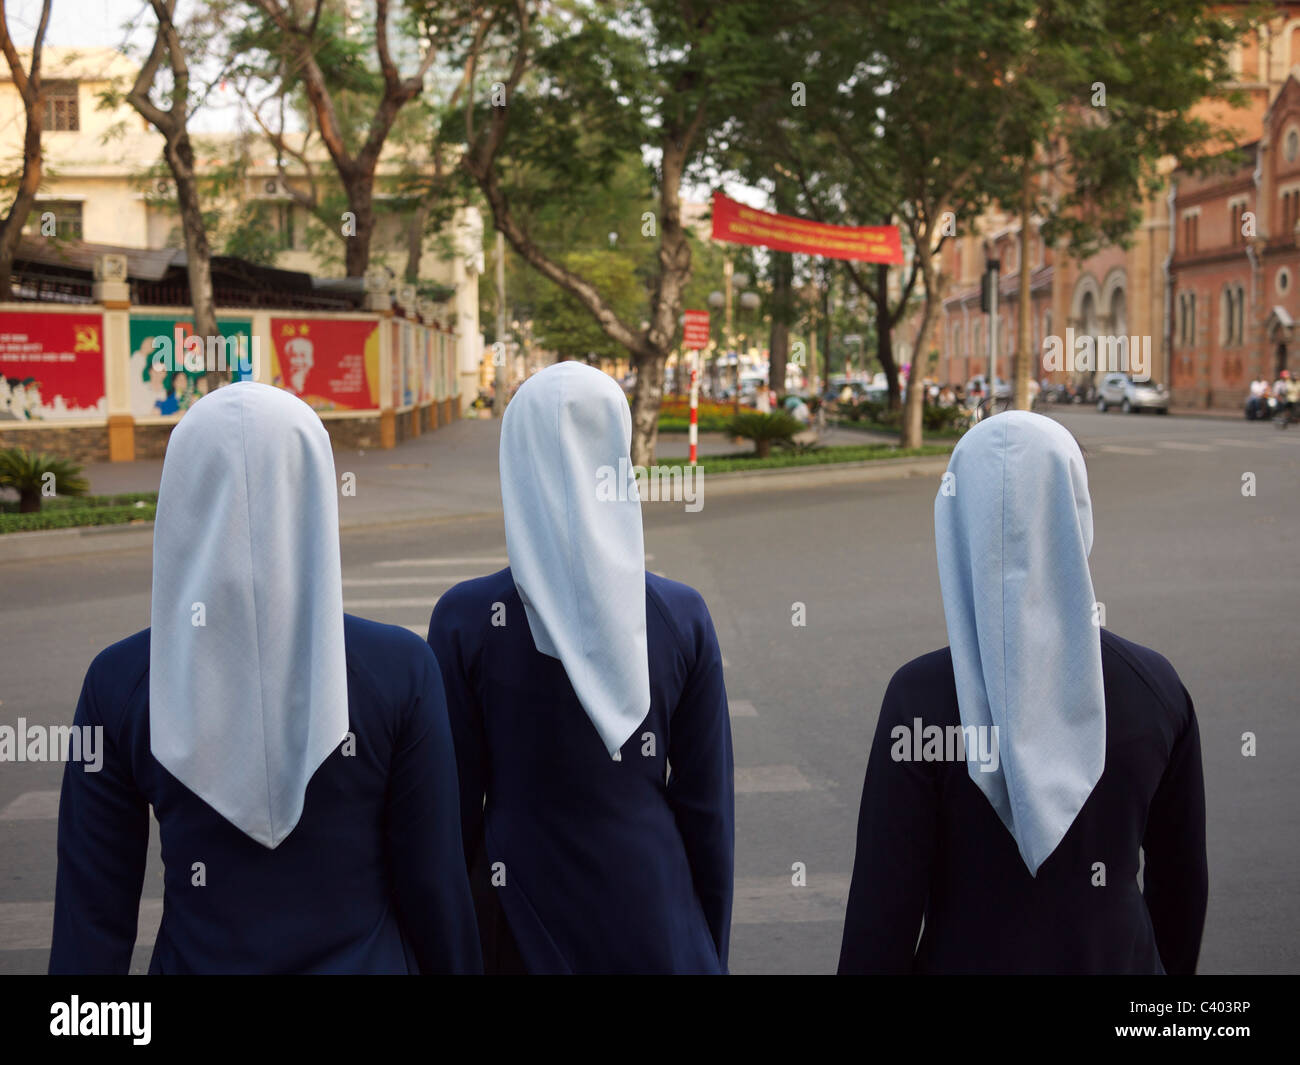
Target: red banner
{"x": 738, "y": 224}
{"x": 51, "y": 366}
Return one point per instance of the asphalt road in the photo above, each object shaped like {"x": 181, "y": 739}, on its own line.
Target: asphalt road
{"x": 1183, "y": 562}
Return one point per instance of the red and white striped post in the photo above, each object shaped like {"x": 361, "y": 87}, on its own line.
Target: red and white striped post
{"x": 695, "y": 404}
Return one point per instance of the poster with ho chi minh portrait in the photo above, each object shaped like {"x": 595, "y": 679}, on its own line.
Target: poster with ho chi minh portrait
{"x": 329, "y": 363}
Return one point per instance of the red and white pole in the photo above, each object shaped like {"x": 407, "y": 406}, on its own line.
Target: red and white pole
{"x": 695, "y": 404}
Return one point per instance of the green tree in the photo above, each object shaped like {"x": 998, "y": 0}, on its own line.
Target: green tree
{"x": 1093, "y": 127}
{"x": 581, "y": 84}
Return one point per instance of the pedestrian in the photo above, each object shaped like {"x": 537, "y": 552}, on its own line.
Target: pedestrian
{"x": 1017, "y": 775}
{"x": 574, "y": 679}
{"x": 298, "y": 760}
{"x": 1256, "y": 404}
{"x": 1280, "y": 387}
{"x": 763, "y": 399}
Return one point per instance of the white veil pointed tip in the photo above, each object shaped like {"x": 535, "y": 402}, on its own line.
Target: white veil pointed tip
{"x": 247, "y": 666}
{"x": 1013, "y": 537}
{"x": 576, "y": 548}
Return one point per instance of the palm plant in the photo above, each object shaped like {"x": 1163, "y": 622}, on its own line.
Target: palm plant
{"x": 765, "y": 430}
{"x": 29, "y": 474}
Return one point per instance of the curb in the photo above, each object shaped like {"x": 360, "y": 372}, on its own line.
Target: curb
{"x": 107, "y": 539}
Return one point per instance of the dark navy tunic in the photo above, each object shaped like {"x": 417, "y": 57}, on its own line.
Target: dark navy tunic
{"x": 930, "y": 845}
{"x": 371, "y": 880}
{"x": 585, "y": 864}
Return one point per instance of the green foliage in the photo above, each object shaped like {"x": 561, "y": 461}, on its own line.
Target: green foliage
{"x": 76, "y": 517}
{"x": 823, "y": 456}
{"x": 765, "y": 429}
{"x": 27, "y": 474}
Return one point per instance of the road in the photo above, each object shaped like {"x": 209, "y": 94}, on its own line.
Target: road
{"x": 1182, "y": 561}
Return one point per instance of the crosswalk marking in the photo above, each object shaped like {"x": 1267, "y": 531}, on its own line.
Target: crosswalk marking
{"x": 29, "y": 925}
{"x": 383, "y": 604}
{"x": 1120, "y": 449}
{"x": 482, "y": 560}
{"x": 32, "y": 806}
{"x": 765, "y": 779}
{"x": 742, "y": 708}
{"x": 775, "y": 900}
{"x": 759, "y": 900}
{"x": 1183, "y": 445}
{"x": 368, "y": 582}
{"x": 487, "y": 560}
{"x": 1223, "y": 441}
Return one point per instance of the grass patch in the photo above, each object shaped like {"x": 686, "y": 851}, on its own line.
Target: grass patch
{"x": 72, "y": 512}
{"x": 880, "y": 427}
{"x": 821, "y": 456}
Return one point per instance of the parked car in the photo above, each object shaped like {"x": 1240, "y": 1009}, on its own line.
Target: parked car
{"x": 1120, "y": 390}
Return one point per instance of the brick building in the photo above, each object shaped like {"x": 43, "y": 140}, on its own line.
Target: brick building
{"x": 1211, "y": 275}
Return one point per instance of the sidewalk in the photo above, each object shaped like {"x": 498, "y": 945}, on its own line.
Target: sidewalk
{"x": 440, "y": 476}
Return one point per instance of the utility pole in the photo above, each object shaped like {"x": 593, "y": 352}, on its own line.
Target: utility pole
{"x": 499, "y": 349}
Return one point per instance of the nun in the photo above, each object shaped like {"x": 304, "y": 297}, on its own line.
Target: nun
{"x": 299, "y": 761}
{"x": 1033, "y": 799}
{"x": 589, "y": 714}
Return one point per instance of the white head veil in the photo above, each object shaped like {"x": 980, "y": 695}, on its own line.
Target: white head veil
{"x": 247, "y": 676}
{"x": 573, "y": 535}
{"x": 1013, "y": 528}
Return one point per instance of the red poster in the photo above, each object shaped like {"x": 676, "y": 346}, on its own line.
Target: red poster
{"x": 330, "y": 363}
{"x": 695, "y": 330}
{"x": 737, "y": 224}
{"x": 51, "y": 366}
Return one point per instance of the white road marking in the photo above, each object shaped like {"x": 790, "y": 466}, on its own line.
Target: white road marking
{"x": 765, "y": 779}
{"x": 775, "y": 900}
{"x": 1182, "y": 445}
{"x": 384, "y": 604}
{"x": 1119, "y": 449}
{"x": 483, "y": 560}
{"x": 32, "y": 806}
{"x": 1223, "y": 441}
{"x": 742, "y": 708}
{"x": 487, "y": 560}
{"x": 375, "y": 582}
{"x": 29, "y": 925}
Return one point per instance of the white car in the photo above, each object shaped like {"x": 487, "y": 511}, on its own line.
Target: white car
{"x": 1120, "y": 390}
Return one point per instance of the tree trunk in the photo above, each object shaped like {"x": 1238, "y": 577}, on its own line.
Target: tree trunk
{"x": 198, "y": 253}
{"x": 415, "y": 243}
{"x": 29, "y": 501}
{"x": 674, "y": 271}
{"x": 778, "y": 344}
{"x": 762, "y": 448}
{"x": 913, "y": 408}
{"x": 1024, "y": 344}
{"x": 826, "y": 320}
{"x": 885, "y": 335}
{"x": 356, "y": 257}
{"x": 29, "y": 88}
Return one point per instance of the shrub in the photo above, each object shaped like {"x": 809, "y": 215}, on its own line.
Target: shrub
{"x": 765, "y": 430}
{"x": 28, "y": 474}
